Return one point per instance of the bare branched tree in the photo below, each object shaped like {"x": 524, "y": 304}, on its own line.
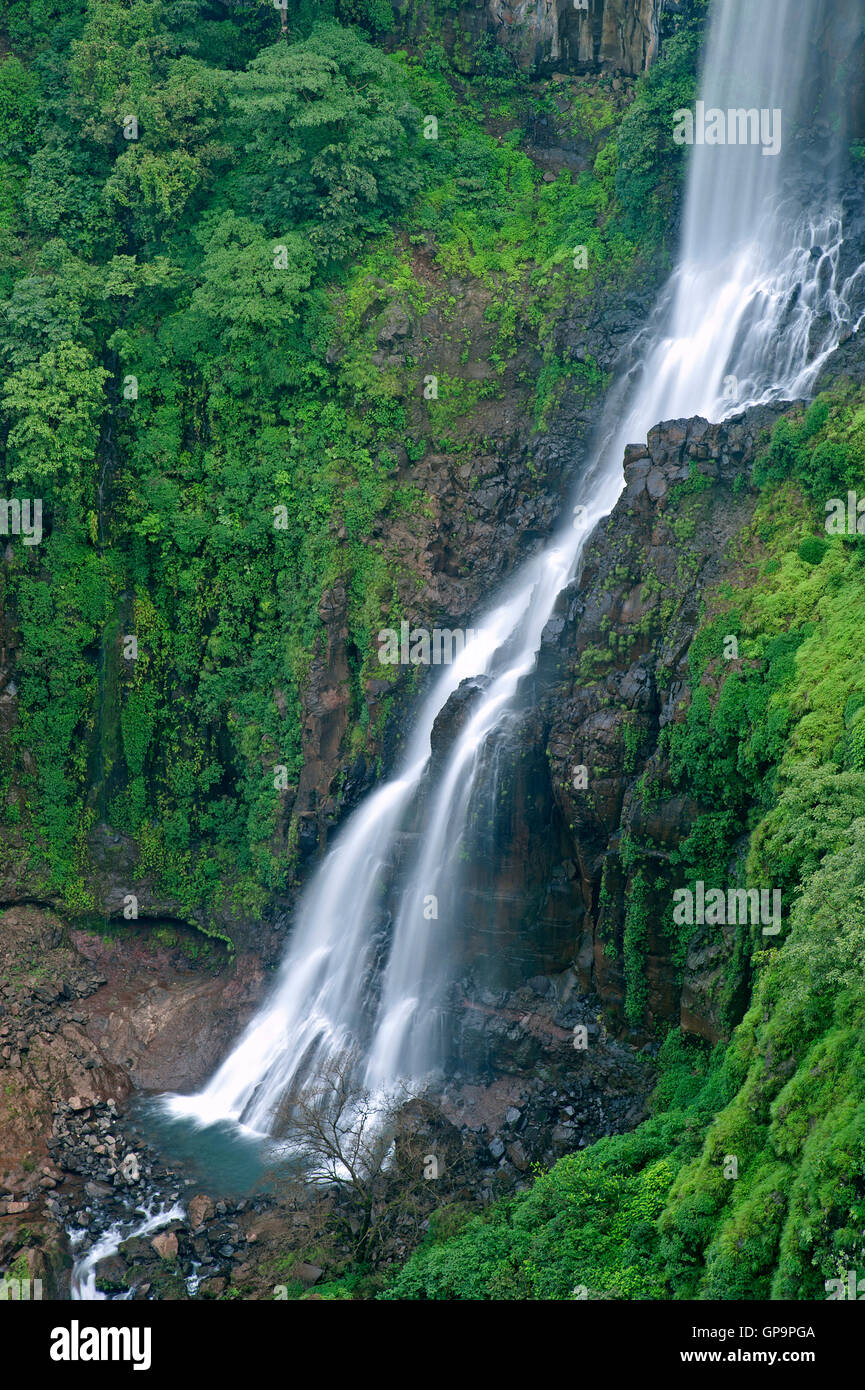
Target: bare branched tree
{"x": 388, "y": 1160}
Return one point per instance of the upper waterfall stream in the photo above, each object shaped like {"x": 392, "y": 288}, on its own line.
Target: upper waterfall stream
{"x": 752, "y": 309}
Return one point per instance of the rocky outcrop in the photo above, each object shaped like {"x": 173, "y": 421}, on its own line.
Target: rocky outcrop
{"x": 545, "y": 1059}
{"x": 535, "y": 1067}
{"x": 548, "y": 35}
{"x": 627, "y": 629}
{"x": 87, "y": 1021}
{"x": 550, "y": 883}
{"x": 617, "y": 34}
{"x": 84, "y": 1022}
{"x": 326, "y": 718}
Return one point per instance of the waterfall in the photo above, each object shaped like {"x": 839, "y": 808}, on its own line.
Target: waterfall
{"x": 755, "y": 305}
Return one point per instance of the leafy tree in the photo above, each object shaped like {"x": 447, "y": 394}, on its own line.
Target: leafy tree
{"x": 53, "y": 408}
{"x": 330, "y": 139}
{"x": 252, "y": 284}
{"x": 19, "y": 109}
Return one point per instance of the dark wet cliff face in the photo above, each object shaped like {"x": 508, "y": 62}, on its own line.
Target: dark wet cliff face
{"x": 548, "y": 34}
{"x": 631, "y": 623}
{"x": 557, "y": 35}
{"x": 548, "y": 885}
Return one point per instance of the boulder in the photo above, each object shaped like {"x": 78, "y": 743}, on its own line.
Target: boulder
{"x": 165, "y": 1245}
{"x": 129, "y": 1169}
{"x": 199, "y": 1209}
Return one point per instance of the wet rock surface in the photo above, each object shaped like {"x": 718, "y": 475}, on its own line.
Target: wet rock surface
{"x": 537, "y": 1075}
{"x": 621, "y": 649}
{"x": 618, "y": 35}
{"x": 85, "y": 1022}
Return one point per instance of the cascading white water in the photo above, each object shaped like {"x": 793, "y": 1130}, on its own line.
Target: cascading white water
{"x": 751, "y": 312}
{"x": 82, "y": 1284}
